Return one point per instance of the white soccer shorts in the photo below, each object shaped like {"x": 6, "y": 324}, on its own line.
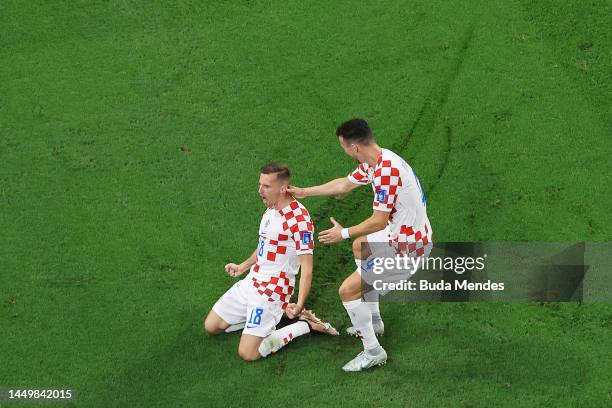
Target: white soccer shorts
{"x": 243, "y": 304}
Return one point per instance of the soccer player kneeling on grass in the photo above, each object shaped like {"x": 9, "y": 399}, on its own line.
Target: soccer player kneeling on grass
{"x": 256, "y": 303}
{"x": 398, "y": 225}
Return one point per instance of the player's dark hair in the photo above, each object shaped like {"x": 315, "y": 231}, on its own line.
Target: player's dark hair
{"x": 280, "y": 169}
{"x": 355, "y": 131}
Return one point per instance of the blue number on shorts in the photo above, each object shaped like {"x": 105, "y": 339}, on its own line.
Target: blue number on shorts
{"x": 420, "y": 188}
{"x": 256, "y": 316}
{"x": 261, "y": 246}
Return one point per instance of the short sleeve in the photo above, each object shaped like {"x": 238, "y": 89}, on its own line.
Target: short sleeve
{"x": 360, "y": 175}
{"x": 303, "y": 236}
{"x": 301, "y": 229}
{"x": 387, "y": 182}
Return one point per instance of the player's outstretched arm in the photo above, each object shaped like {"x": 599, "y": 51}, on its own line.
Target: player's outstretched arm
{"x": 376, "y": 222}
{"x": 294, "y": 309}
{"x": 335, "y": 187}
{"x": 236, "y": 270}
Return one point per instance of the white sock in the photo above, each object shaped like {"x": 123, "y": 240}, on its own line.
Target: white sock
{"x": 374, "y": 306}
{"x": 281, "y": 337}
{"x": 234, "y": 327}
{"x": 358, "y": 263}
{"x": 361, "y": 318}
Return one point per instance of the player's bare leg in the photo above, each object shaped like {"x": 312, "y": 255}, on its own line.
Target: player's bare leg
{"x": 361, "y": 317}
{"x": 214, "y": 324}
{"x": 350, "y": 289}
{"x": 248, "y": 349}
{"x": 361, "y": 251}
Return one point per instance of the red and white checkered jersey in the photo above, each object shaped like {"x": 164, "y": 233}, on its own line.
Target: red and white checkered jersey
{"x": 283, "y": 236}
{"x": 397, "y": 190}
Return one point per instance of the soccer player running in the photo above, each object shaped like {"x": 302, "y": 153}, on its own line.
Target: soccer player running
{"x": 256, "y": 303}
{"x": 398, "y": 223}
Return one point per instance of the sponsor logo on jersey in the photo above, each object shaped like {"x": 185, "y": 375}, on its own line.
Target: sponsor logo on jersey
{"x": 381, "y": 195}
{"x": 306, "y": 237}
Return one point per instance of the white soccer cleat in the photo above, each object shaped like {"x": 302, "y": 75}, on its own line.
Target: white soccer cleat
{"x": 317, "y": 324}
{"x": 379, "y": 329}
{"x": 364, "y": 361}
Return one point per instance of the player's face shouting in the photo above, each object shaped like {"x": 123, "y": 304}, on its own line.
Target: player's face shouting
{"x": 270, "y": 189}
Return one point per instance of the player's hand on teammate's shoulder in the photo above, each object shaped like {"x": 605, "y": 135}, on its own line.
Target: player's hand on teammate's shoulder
{"x": 293, "y": 310}
{"x": 334, "y": 234}
{"x": 296, "y": 192}
{"x": 233, "y": 270}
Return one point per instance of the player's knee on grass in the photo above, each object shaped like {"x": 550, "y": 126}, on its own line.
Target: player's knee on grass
{"x": 248, "y": 349}
{"x": 248, "y": 353}
{"x": 210, "y": 327}
{"x": 212, "y": 324}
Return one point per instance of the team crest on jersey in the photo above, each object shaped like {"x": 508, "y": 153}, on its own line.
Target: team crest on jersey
{"x": 381, "y": 196}
{"x": 306, "y": 237}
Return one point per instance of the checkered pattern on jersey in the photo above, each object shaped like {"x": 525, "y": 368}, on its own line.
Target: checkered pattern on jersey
{"x": 299, "y": 224}
{"x": 276, "y": 247}
{"x": 276, "y": 289}
{"x": 386, "y": 182}
{"x": 360, "y": 175}
{"x": 411, "y": 242}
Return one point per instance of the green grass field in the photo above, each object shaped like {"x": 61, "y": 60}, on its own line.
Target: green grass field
{"x": 131, "y": 137}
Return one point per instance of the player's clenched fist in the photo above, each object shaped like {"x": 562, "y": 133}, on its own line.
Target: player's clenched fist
{"x": 293, "y": 310}
{"x": 233, "y": 270}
